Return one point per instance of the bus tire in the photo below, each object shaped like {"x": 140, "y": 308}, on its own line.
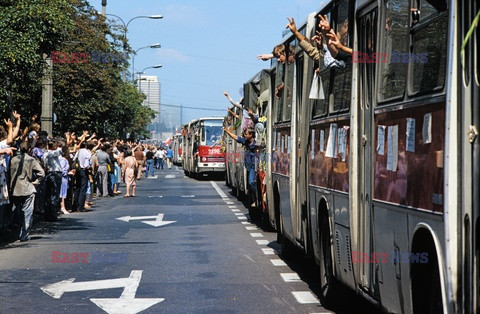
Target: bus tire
{"x": 328, "y": 284}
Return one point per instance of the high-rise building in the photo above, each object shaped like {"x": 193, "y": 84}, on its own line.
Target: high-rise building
{"x": 150, "y": 86}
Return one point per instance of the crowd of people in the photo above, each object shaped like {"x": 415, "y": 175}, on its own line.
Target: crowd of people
{"x": 44, "y": 177}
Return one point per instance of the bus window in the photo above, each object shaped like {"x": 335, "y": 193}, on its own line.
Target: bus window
{"x": 213, "y": 132}
{"x": 394, "y": 44}
{"x": 429, "y": 49}
{"x": 342, "y": 82}
{"x": 342, "y": 86}
{"x": 431, "y": 7}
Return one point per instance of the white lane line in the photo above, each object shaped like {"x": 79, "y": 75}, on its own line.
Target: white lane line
{"x": 188, "y": 196}
{"x": 170, "y": 176}
{"x": 155, "y": 196}
{"x": 262, "y": 242}
{"x": 305, "y": 297}
{"x": 278, "y": 262}
{"x": 268, "y": 251}
{"x": 242, "y": 217}
{"x": 256, "y": 235}
{"x": 251, "y": 228}
{"x": 245, "y": 223}
{"x": 290, "y": 277}
{"x": 232, "y": 206}
{"x": 219, "y": 191}
{"x": 229, "y": 203}
{"x": 235, "y": 210}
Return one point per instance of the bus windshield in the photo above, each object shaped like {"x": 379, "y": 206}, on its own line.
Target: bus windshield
{"x": 212, "y": 132}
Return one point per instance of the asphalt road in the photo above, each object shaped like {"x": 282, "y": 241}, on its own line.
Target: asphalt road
{"x": 180, "y": 246}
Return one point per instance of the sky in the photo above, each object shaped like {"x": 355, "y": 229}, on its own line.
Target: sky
{"x": 208, "y": 46}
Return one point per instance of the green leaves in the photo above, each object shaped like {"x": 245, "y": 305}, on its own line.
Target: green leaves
{"x": 85, "y": 95}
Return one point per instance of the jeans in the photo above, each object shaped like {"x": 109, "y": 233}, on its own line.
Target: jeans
{"x": 25, "y": 203}
{"x": 252, "y": 187}
{"x": 149, "y": 167}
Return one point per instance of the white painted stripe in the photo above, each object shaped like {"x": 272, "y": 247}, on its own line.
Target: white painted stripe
{"x": 239, "y": 214}
{"x": 290, "y": 277}
{"x": 188, "y": 196}
{"x": 246, "y": 223}
{"x": 235, "y": 210}
{"x": 256, "y": 235}
{"x": 219, "y": 191}
{"x": 229, "y": 203}
{"x": 251, "y": 228}
{"x": 268, "y": 251}
{"x": 305, "y": 297}
{"x": 262, "y": 242}
{"x": 232, "y": 206}
{"x": 278, "y": 262}
{"x": 242, "y": 217}
{"x": 169, "y": 176}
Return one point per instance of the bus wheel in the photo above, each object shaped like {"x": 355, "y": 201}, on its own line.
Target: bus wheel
{"x": 327, "y": 280}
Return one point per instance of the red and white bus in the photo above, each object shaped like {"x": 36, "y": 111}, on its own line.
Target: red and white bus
{"x": 202, "y": 149}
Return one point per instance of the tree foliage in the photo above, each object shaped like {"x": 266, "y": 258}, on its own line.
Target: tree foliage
{"x": 86, "y": 94}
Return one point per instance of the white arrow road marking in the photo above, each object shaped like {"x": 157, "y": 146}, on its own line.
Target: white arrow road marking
{"x": 119, "y": 306}
{"x": 156, "y": 223}
{"x": 127, "y": 303}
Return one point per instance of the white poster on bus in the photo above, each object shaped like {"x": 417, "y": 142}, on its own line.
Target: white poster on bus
{"x": 427, "y": 128}
{"x": 332, "y": 141}
{"x": 313, "y": 144}
{"x": 381, "y": 140}
{"x": 392, "y": 150}
{"x": 410, "y": 135}
{"x": 322, "y": 141}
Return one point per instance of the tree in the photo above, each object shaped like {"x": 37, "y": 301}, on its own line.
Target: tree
{"x": 28, "y": 29}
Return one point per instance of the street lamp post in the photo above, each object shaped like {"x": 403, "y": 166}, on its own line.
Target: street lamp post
{"x": 125, "y": 27}
{"x": 135, "y": 52}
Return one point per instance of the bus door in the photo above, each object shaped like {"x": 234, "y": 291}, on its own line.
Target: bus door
{"x": 367, "y": 31}
{"x": 299, "y": 153}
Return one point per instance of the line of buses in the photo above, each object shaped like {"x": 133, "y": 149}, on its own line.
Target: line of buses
{"x": 378, "y": 178}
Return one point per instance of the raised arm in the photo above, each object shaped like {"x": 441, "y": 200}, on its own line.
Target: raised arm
{"x": 265, "y": 56}
{"x": 231, "y": 100}
{"x": 230, "y": 133}
{"x": 9, "y": 125}
{"x": 293, "y": 28}
{"x": 334, "y": 44}
{"x": 233, "y": 113}
{"x": 16, "y": 129}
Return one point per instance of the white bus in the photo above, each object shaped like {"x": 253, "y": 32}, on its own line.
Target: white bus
{"x": 379, "y": 178}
